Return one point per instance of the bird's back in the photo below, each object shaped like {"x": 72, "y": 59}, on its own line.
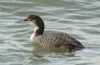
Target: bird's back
{"x": 53, "y": 39}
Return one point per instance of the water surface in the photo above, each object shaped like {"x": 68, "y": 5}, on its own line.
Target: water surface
{"x": 79, "y": 18}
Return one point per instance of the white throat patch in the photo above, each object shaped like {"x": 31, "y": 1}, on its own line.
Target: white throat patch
{"x": 34, "y": 33}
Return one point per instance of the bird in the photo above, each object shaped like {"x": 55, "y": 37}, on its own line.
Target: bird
{"x": 50, "y": 39}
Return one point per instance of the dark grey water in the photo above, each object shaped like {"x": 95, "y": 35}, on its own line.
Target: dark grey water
{"x": 79, "y": 18}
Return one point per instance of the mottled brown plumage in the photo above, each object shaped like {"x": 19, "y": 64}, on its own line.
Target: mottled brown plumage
{"x": 54, "y": 39}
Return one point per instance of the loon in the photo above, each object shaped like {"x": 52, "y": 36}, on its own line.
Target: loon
{"x": 50, "y": 39}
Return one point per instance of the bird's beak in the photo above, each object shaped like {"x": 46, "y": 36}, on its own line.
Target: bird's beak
{"x": 22, "y": 21}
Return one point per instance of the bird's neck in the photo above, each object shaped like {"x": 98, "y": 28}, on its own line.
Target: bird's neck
{"x": 37, "y": 31}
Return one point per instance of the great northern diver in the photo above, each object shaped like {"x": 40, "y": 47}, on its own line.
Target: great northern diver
{"x": 50, "y": 39}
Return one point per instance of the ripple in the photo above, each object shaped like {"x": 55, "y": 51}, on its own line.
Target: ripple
{"x": 91, "y": 31}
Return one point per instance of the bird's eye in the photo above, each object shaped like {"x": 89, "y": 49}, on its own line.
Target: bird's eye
{"x": 30, "y": 19}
